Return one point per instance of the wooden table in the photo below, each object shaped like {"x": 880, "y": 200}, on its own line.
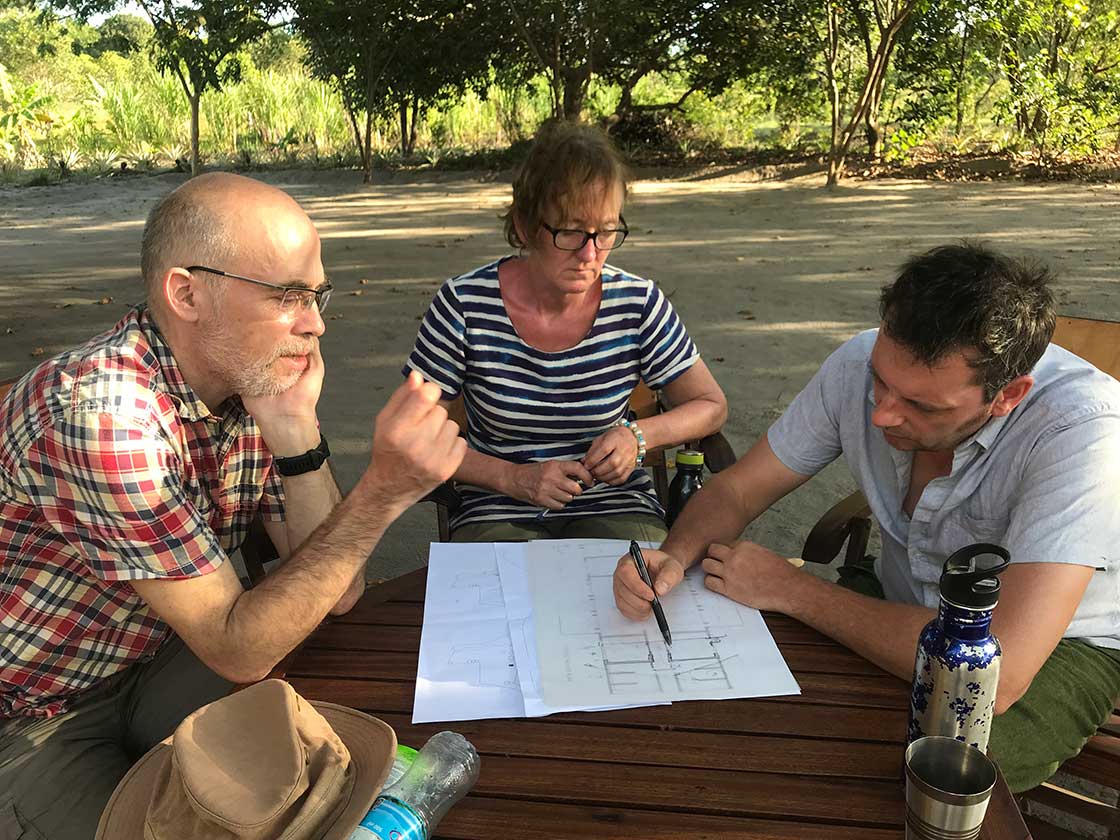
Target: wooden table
{"x": 825, "y": 765}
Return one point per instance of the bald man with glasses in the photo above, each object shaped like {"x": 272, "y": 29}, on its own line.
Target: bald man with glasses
{"x": 134, "y": 465}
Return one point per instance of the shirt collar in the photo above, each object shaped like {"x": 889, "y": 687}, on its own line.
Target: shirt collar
{"x": 191, "y": 407}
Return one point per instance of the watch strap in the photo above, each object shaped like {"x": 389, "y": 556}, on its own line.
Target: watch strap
{"x": 309, "y": 461}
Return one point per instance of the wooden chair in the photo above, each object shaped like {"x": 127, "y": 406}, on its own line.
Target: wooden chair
{"x": 1098, "y": 342}
{"x": 256, "y": 550}
{"x": 718, "y": 455}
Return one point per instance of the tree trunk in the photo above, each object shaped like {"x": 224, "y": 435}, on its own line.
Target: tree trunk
{"x": 196, "y": 161}
{"x": 402, "y": 113}
{"x": 367, "y": 176}
{"x": 871, "y": 93}
{"x": 832, "y": 55}
{"x": 874, "y": 134}
{"x": 412, "y": 128}
{"x": 960, "y": 81}
{"x": 358, "y": 143}
{"x": 575, "y": 82}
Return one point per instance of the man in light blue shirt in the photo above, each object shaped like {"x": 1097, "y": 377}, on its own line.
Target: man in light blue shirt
{"x": 960, "y": 424}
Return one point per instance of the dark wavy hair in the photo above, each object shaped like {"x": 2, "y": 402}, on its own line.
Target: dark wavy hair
{"x": 565, "y": 160}
{"x": 968, "y": 298}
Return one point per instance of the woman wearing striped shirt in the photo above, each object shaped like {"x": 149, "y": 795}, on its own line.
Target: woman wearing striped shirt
{"x": 546, "y": 346}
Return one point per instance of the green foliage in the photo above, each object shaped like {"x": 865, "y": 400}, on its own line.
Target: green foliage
{"x": 24, "y": 112}
{"x": 1033, "y": 75}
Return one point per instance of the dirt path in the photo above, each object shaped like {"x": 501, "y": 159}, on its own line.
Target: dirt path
{"x": 769, "y": 277}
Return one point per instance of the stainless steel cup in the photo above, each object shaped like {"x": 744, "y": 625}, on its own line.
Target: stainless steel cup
{"x": 948, "y": 785}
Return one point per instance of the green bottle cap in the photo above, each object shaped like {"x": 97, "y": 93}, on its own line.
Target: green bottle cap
{"x": 690, "y": 457}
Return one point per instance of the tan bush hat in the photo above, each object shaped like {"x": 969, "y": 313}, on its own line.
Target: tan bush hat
{"x": 260, "y": 764}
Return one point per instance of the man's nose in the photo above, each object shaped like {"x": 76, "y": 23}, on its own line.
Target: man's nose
{"x": 310, "y": 321}
{"x": 886, "y": 413}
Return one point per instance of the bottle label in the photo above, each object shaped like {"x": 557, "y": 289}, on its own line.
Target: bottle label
{"x": 391, "y": 820}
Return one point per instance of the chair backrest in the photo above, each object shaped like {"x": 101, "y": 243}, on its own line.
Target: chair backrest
{"x": 5, "y": 387}
{"x": 1095, "y": 341}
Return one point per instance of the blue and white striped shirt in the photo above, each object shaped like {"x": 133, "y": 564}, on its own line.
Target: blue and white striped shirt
{"x": 525, "y": 405}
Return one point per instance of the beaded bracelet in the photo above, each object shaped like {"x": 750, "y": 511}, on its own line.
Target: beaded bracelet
{"x": 633, "y": 427}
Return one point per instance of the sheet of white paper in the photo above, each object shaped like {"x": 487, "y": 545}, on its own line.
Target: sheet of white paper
{"x": 512, "y": 564}
{"x": 466, "y": 669}
{"x": 590, "y": 655}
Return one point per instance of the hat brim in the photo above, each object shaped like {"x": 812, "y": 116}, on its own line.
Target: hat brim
{"x": 372, "y": 744}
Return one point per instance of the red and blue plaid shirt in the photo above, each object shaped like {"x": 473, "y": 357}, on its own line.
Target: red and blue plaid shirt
{"x": 111, "y": 470}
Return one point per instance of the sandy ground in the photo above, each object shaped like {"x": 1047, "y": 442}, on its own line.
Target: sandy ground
{"x": 768, "y": 276}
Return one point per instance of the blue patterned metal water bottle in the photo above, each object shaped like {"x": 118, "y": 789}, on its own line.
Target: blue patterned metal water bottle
{"x": 956, "y": 670}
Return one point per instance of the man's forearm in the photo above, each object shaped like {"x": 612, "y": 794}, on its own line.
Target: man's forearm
{"x": 715, "y": 514}
{"x": 309, "y": 584}
{"x": 883, "y": 632}
{"x": 308, "y": 500}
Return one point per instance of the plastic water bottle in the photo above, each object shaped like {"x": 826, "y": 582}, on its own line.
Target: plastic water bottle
{"x": 956, "y": 670}
{"x": 689, "y": 479}
{"x": 439, "y": 776}
{"x": 404, "y": 759}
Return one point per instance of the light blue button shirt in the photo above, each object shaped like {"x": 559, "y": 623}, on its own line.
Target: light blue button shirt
{"x": 1039, "y": 481}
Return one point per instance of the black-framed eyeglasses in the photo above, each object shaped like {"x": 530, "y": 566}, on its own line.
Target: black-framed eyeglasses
{"x": 569, "y": 239}
{"x": 292, "y": 297}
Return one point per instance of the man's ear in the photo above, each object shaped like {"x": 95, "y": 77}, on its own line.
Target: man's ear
{"x": 180, "y": 294}
{"x": 1011, "y": 395}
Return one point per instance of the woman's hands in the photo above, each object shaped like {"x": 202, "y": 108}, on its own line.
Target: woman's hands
{"x": 548, "y": 484}
{"x": 612, "y": 456}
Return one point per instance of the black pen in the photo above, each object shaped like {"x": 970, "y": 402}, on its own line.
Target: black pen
{"x": 643, "y": 572}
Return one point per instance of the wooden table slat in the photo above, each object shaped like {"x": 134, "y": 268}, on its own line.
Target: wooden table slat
{"x": 744, "y": 717}
{"x": 543, "y": 738}
{"x": 480, "y": 816}
{"x": 691, "y": 790}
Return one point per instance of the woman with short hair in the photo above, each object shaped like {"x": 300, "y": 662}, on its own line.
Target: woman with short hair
{"x": 546, "y": 345}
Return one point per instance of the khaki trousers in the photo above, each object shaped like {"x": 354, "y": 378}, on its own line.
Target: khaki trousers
{"x": 57, "y": 774}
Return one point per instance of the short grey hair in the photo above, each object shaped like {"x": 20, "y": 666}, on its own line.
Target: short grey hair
{"x": 182, "y": 230}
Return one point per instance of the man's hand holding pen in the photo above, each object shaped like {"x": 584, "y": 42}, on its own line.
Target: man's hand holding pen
{"x": 633, "y": 597}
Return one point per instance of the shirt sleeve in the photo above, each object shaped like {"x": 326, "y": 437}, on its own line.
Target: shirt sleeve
{"x": 272, "y": 499}
{"x": 113, "y": 489}
{"x": 666, "y": 349}
{"x": 439, "y": 354}
{"x": 806, "y": 438}
{"x": 1066, "y": 510}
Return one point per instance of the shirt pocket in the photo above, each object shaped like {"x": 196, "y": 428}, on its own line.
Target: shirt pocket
{"x": 961, "y": 528}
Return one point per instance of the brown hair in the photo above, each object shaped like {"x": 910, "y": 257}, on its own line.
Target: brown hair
{"x": 565, "y": 159}
{"x": 967, "y": 297}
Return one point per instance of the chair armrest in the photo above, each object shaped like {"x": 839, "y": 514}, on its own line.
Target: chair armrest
{"x": 256, "y": 550}
{"x": 718, "y": 454}
{"x": 850, "y": 517}
{"x": 445, "y": 495}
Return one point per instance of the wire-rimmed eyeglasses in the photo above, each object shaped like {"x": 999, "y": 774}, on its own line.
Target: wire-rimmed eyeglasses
{"x": 293, "y": 296}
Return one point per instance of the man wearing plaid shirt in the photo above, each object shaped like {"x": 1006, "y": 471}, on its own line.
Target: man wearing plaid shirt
{"x": 132, "y": 466}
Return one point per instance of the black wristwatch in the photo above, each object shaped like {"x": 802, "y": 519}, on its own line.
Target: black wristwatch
{"x": 309, "y": 461}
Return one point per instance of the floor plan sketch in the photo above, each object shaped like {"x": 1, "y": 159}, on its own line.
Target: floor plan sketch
{"x": 466, "y": 669}
{"x": 589, "y": 653}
